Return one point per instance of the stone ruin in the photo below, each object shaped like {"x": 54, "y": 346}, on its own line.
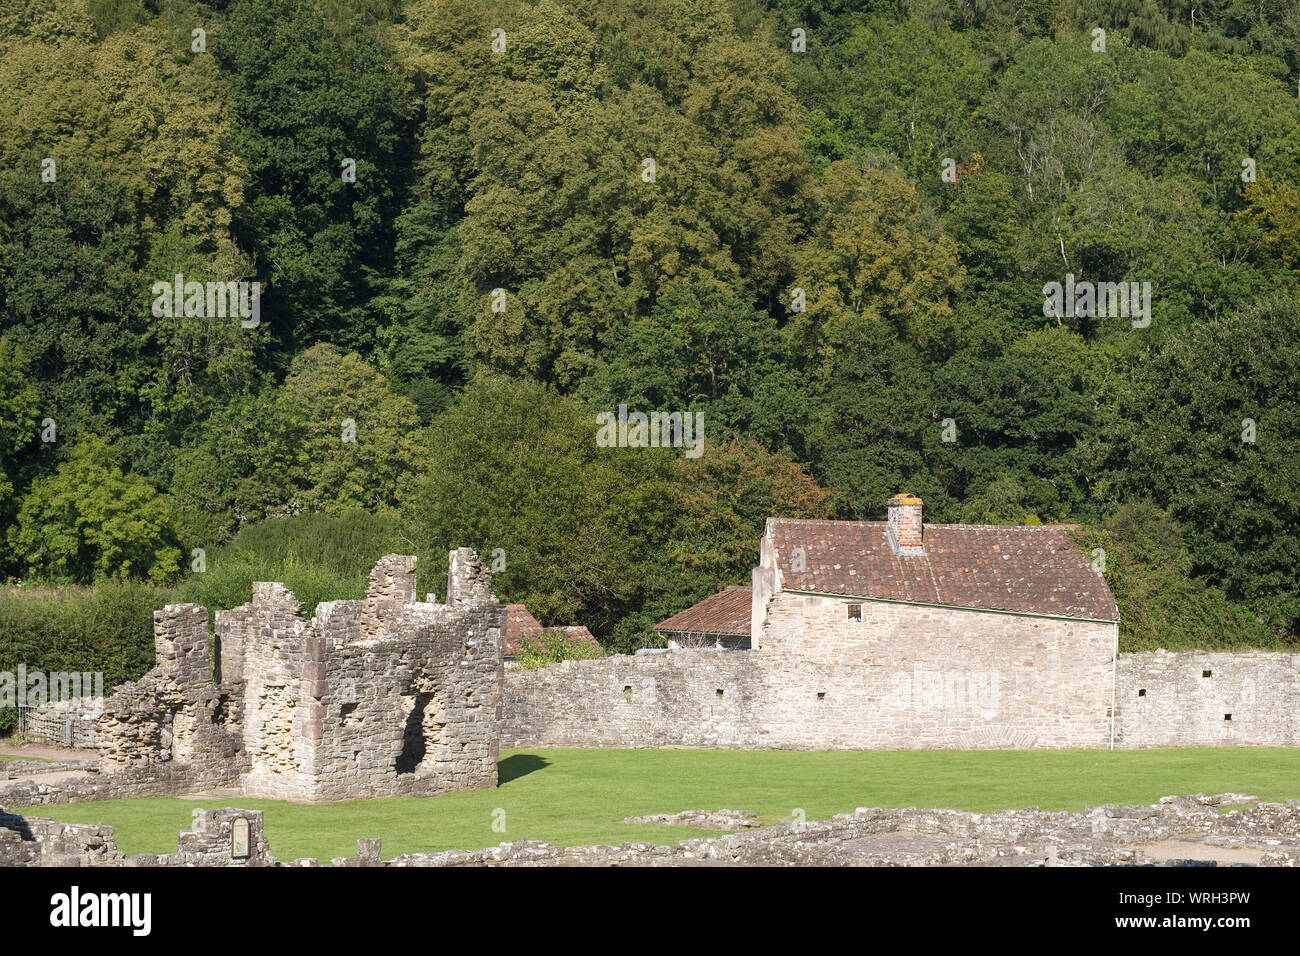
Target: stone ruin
{"x": 380, "y": 697}
{"x": 1198, "y": 830}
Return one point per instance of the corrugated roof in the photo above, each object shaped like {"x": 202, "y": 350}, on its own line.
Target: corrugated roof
{"x": 1031, "y": 569}
{"x": 726, "y": 612}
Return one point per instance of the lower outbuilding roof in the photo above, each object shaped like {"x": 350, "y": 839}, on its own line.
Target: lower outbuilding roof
{"x": 726, "y": 612}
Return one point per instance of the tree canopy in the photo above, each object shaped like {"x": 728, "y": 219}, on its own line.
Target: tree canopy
{"x": 474, "y": 227}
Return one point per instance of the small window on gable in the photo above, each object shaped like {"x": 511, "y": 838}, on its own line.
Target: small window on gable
{"x": 1227, "y": 716}
{"x": 855, "y": 612}
{"x": 1142, "y": 692}
{"x": 1207, "y": 673}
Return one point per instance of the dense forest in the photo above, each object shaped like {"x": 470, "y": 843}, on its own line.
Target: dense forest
{"x": 826, "y": 227}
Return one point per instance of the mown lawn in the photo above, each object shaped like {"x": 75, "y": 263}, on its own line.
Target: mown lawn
{"x": 573, "y": 797}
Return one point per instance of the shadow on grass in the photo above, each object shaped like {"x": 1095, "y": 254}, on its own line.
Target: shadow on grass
{"x": 519, "y": 765}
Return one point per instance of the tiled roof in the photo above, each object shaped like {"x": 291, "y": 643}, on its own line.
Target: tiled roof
{"x": 520, "y": 623}
{"x": 579, "y": 634}
{"x": 1032, "y": 569}
{"x": 726, "y": 612}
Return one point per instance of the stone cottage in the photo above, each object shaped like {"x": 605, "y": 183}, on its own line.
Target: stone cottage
{"x": 864, "y": 634}
{"x": 853, "y": 590}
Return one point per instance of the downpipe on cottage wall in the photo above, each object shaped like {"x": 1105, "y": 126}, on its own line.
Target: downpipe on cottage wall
{"x": 1114, "y": 667}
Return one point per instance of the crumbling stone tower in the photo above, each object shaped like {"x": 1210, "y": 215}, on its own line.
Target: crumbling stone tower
{"x": 380, "y": 697}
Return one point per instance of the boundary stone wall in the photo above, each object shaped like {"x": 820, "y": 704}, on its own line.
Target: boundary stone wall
{"x": 1185, "y": 699}
{"x": 746, "y": 700}
{"x": 753, "y": 700}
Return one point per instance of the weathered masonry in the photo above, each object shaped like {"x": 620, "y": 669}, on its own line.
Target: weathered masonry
{"x": 1209, "y": 699}
{"x": 866, "y": 634}
{"x": 744, "y": 700}
{"x": 379, "y": 697}
{"x": 901, "y": 635}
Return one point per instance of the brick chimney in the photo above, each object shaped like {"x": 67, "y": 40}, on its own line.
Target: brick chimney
{"x": 905, "y": 531}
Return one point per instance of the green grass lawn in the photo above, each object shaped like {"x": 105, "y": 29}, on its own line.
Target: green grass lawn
{"x": 573, "y": 797}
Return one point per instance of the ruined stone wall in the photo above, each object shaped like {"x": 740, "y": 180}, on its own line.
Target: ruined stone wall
{"x": 1186, "y": 699}
{"x": 468, "y": 581}
{"x": 392, "y": 585}
{"x": 904, "y": 677}
{"x": 164, "y": 779}
{"x": 377, "y": 697}
{"x": 1199, "y": 830}
{"x": 412, "y": 714}
{"x": 175, "y": 714}
{"x": 380, "y": 697}
{"x": 276, "y": 710}
{"x": 36, "y": 841}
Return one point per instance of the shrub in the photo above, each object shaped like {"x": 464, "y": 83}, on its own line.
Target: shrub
{"x": 316, "y": 556}
{"x": 89, "y": 521}
{"x": 551, "y": 647}
{"x": 107, "y": 628}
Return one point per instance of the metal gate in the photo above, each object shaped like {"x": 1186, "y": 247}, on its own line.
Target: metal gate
{"x": 77, "y": 729}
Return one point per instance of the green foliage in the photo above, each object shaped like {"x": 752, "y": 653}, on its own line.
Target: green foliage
{"x": 720, "y": 502}
{"x": 551, "y": 647}
{"x": 18, "y": 419}
{"x": 89, "y": 521}
{"x": 512, "y": 466}
{"x": 896, "y": 84}
{"x": 236, "y": 470}
{"x": 306, "y": 97}
{"x": 921, "y": 172}
{"x": 606, "y": 537}
{"x": 1161, "y": 605}
{"x": 107, "y": 628}
{"x": 357, "y": 439}
{"x": 534, "y": 163}
{"x": 1237, "y": 499}
{"x": 71, "y": 297}
{"x": 318, "y": 557}
{"x": 333, "y": 438}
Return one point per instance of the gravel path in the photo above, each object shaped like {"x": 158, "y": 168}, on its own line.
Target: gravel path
{"x": 9, "y": 748}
